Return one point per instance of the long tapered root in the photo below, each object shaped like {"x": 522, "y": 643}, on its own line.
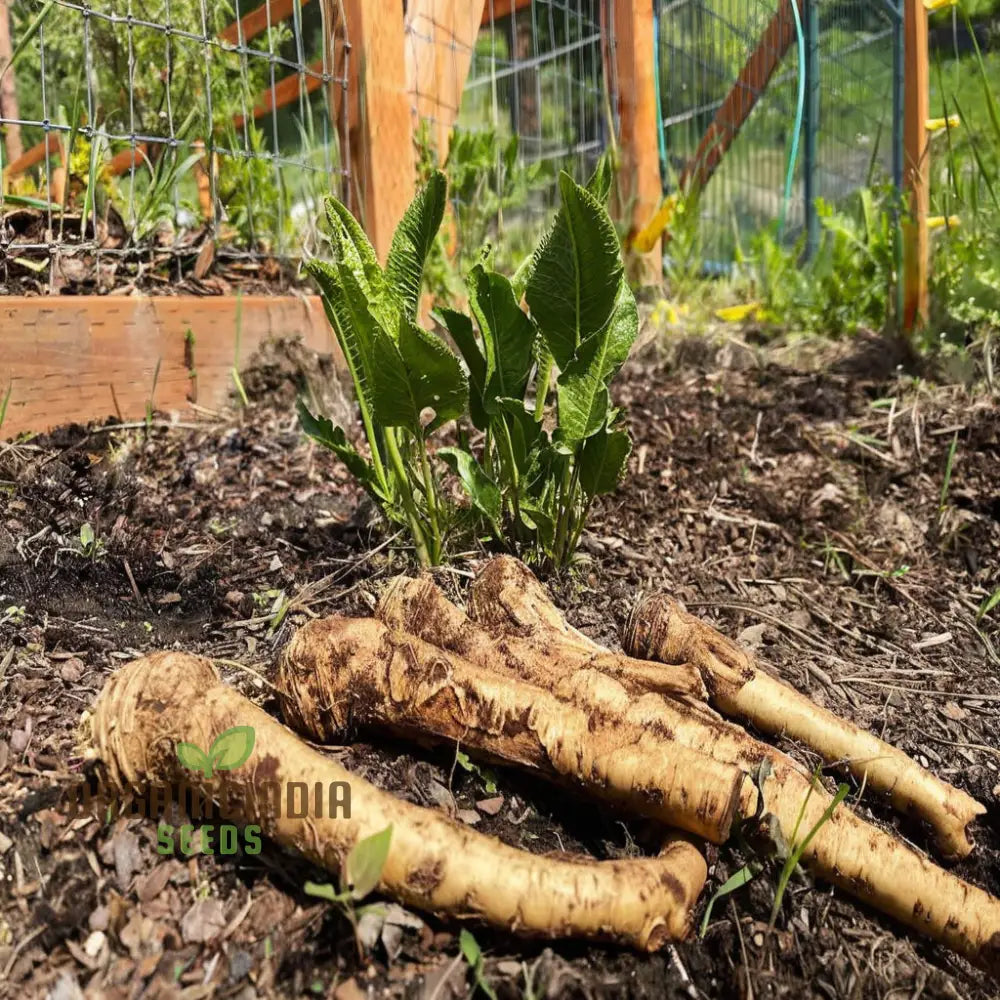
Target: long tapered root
{"x": 434, "y": 863}
{"x": 659, "y": 629}
{"x": 340, "y": 670}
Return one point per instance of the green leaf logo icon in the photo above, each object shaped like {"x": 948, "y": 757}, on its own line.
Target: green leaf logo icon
{"x": 228, "y": 751}
{"x": 232, "y": 748}
{"x": 193, "y": 757}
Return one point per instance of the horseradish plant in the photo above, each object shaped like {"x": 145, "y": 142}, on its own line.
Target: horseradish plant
{"x": 399, "y": 370}
{"x": 534, "y": 383}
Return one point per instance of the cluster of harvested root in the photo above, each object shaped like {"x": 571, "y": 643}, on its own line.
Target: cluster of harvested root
{"x": 513, "y": 682}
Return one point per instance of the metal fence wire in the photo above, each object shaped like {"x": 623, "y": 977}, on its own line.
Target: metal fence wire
{"x": 141, "y": 138}
{"x": 526, "y": 93}
{"x": 140, "y": 134}
{"x": 851, "y": 65}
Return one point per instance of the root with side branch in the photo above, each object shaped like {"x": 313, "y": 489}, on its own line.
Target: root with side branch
{"x": 847, "y": 851}
{"x": 434, "y": 863}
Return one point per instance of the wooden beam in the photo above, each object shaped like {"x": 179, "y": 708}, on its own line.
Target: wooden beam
{"x": 284, "y": 92}
{"x": 256, "y": 22}
{"x": 497, "y": 10}
{"x": 79, "y": 358}
{"x": 641, "y": 186}
{"x": 380, "y": 137}
{"x": 49, "y": 145}
{"x": 742, "y": 97}
{"x": 916, "y": 173}
{"x": 440, "y": 39}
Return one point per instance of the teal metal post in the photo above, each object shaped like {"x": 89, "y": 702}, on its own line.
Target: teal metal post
{"x": 811, "y": 125}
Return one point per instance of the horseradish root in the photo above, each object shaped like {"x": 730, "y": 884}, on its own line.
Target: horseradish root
{"x": 339, "y": 671}
{"x": 852, "y": 854}
{"x": 659, "y": 629}
{"x": 536, "y": 651}
{"x": 434, "y": 863}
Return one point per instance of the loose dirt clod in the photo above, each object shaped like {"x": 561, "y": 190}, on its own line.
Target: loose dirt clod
{"x": 434, "y": 863}
{"x": 659, "y": 629}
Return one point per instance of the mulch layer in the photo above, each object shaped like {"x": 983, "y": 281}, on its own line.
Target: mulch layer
{"x": 812, "y": 513}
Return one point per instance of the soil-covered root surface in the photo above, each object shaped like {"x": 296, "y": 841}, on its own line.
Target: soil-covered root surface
{"x": 813, "y": 515}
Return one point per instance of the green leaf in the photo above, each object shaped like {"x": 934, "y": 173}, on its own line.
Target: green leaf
{"x": 380, "y": 376}
{"x": 351, "y": 243}
{"x": 435, "y": 374}
{"x": 525, "y": 432}
{"x": 321, "y": 430}
{"x": 86, "y": 536}
{"x": 353, "y": 251}
{"x": 366, "y": 861}
{"x": 734, "y": 882}
{"x": 462, "y": 332}
{"x": 508, "y": 335}
{"x": 394, "y": 405}
{"x": 473, "y": 955}
{"x": 323, "y": 890}
{"x": 582, "y": 387}
{"x": 541, "y": 521}
{"x": 519, "y": 282}
{"x": 482, "y": 491}
{"x": 346, "y": 307}
{"x": 471, "y": 951}
{"x": 232, "y": 748}
{"x": 599, "y": 184}
{"x": 577, "y": 273}
{"x": 603, "y": 460}
{"x": 194, "y": 758}
{"x": 413, "y": 240}
{"x": 988, "y": 605}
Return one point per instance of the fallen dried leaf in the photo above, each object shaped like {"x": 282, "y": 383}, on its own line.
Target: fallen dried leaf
{"x": 204, "y": 921}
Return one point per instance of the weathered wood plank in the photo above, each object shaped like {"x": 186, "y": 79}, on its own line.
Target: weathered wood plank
{"x": 72, "y": 358}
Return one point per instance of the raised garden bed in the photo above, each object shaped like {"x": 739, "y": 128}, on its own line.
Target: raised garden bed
{"x": 82, "y": 358}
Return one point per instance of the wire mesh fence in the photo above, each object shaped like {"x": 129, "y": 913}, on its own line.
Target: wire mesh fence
{"x": 527, "y": 95}
{"x": 144, "y": 137}
{"x": 844, "y": 59}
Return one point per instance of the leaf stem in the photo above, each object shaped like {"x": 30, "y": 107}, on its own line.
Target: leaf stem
{"x": 432, "y": 505}
{"x": 419, "y": 537}
{"x": 542, "y": 385}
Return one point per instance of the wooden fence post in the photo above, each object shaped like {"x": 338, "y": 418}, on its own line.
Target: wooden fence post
{"x": 441, "y": 37}
{"x": 641, "y": 186}
{"x": 8, "y": 88}
{"x": 916, "y": 172}
{"x": 378, "y": 123}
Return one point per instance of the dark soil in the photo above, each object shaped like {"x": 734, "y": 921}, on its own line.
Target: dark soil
{"x": 800, "y": 511}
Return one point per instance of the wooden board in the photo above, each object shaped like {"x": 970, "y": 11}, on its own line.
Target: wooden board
{"x": 497, "y": 10}
{"x": 440, "y": 39}
{"x": 743, "y": 96}
{"x": 82, "y": 358}
{"x": 257, "y": 21}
